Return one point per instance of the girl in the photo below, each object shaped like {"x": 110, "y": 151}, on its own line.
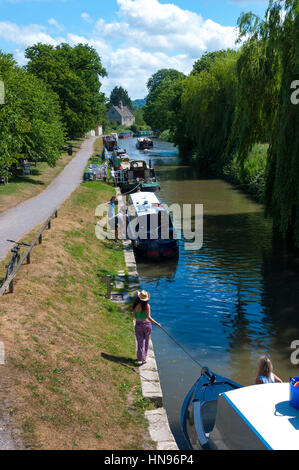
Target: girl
{"x": 265, "y": 372}
{"x": 143, "y": 324}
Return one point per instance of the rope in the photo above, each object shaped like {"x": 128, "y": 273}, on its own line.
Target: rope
{"x": 124, "y": 194}
{"x": 178, "y": 344}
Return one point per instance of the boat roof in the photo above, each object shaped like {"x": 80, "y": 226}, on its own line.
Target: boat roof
{"x": 268, "y": 413}
{"x": 146, "y": 203}
{"x": 138, "y": 163}
{"x": 125, "y": 165}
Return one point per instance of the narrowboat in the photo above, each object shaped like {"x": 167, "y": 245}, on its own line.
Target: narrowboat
{"x": 125, "y": 135}
{"x": 120, "y": 159}
{"x": 110, "y": 142}
{"x": 219, "y": 414}
{"x": 139, "y": 175}
{"x": 144, "y": 143}
{"x": 115, "y": 136}
{"x": 150, "y": 227}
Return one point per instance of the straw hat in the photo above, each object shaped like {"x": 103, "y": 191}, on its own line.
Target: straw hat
{"x": 143, "y": 295}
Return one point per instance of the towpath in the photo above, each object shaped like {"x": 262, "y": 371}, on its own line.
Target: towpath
{"x": 19, "y": 220}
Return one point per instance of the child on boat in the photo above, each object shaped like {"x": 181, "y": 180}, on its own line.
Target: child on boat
{"x": 265, "y": 372}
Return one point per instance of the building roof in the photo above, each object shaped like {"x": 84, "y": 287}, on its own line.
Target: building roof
{"x": 124, "y": 111}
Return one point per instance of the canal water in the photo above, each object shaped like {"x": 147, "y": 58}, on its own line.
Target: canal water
{"x": 227, "y": 303}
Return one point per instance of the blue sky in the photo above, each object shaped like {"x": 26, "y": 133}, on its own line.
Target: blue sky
{"x": 134, "y": 38}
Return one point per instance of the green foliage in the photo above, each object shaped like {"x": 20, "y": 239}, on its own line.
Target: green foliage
{"x": 73, "y": 73}
{"x": 208, "y": 104}
{"x": 251, "y": 173}
{"x": 207, "y": 60}
{"x": 30, "y": 120}
{"x": 163, "y": 74}
{"x": 269, "y": 63}
{"x": 120, "y": 94}
{"x": 282, "y": 183}
{"x": 160, "y": 111}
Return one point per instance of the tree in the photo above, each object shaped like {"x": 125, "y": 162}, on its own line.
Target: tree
{"x": 208, "y": 106}
{"x": 163, "y": 74}
{"x": 207, "y": 60}
{"x": 30, "y": 121}
{"x": 164, "y": 86}
{"x": 73, "y": 73}
{"x": 120, "y": 94}
{"x": 271, "y": 64}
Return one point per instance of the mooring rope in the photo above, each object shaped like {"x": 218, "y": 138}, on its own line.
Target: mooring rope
{"x": 182, "y": 347}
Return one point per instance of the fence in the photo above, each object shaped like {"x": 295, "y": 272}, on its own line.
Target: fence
{"x": 9, "y": 283}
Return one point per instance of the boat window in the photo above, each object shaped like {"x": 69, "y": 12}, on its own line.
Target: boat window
{"x": 156, "y": 226}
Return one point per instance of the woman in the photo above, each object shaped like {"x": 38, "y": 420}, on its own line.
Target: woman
{"x": 143, "y": 324}
{"x": 265, "y": 372}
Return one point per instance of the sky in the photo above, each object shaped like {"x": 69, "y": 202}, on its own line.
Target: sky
{"x": 134, "y": 38}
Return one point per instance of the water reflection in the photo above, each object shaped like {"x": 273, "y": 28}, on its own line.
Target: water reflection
{"x": 227, "y": 303}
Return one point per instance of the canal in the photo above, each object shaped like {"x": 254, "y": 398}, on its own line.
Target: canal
{"x": 227, "y": 303}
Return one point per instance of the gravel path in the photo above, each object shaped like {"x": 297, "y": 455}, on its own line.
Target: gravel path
{"x": 19, "y": 220}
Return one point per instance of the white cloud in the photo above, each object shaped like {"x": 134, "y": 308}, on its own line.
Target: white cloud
{"x": 146, "y": 36}
{"x": 25, "y": 35}
{"x": 55, "y": 23}
{"x": 165, "y": 27}
{"x": 151, "y": 35}
{"x": 86, "y": 17}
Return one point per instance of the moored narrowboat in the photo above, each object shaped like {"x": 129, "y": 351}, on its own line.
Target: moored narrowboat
{"x": 110, "y": 142}
{"x": 150, "y": 227}
{"x": 120, "y": 159}
{"x": 139, "y": 176}
{"x": 125, "y": 135}
{"x": 219, "y": 414}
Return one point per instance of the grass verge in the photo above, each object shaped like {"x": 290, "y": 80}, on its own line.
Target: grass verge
{"x": 251, "y": 175}
{"x": 25, "y": 187}
{"x": 67, "y": 380}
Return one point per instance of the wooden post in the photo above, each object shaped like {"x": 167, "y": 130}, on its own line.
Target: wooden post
{"x": 28, "y": 258}
{"x": 56, "y": 214}
{"x": 40, "y": 239}
{"x": 49, "y": 224}
{"x": 11, "y": 287}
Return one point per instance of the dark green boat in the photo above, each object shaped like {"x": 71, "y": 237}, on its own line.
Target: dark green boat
{"x": 139, "y": 176}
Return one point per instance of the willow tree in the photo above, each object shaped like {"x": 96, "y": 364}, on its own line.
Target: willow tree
{"x": 271, "y": 64}
{"x": 282, "y": 185}
{"x": 208, "y": 103}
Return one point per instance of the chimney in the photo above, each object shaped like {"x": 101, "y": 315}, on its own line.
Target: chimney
{"x": 121, "y": 105}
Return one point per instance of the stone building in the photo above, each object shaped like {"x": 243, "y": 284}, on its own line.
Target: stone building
{"x": 122, "y": 115}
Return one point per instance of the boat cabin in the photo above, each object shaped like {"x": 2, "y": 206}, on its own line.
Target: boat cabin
{"x": 139, "y": 175}
{"x": 110, "y": 142}
{"x": 150, "y": 226}
{"x": 120, "y": 159}
{"x": 144, "y": 143}
{"x": 257, "y": 417}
